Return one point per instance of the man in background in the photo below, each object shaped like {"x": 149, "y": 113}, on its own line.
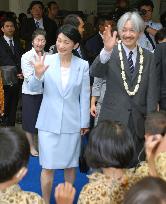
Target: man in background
{"x": 146, "y": 40}
{"x": 38, "y": 20}
{"x": 10, "y": 59}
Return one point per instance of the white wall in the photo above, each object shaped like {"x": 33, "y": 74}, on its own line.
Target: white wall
{"x": 65, "y": 4}
{"x": 4, "y": 5}
{"x": 88, "y": 6}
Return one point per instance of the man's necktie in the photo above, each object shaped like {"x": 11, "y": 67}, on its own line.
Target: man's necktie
{"x": 11, "y": 45}
{"x": 130, "y": 61}
{"x": 37, "y": 24}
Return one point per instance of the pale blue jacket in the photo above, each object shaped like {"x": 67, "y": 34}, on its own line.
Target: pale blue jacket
{"x": 63, "y": 111}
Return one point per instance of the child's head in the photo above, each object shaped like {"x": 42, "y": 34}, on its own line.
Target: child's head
{"x": 155, "y": 123}
{"x": 14, "y": 154}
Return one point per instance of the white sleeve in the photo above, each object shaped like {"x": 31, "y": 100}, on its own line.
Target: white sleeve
{"x": 105, "y": 56}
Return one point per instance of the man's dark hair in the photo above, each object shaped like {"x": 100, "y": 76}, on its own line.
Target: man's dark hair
{"x": 37, "y": 32}
{"x": 14, "y": 152}
{"x": 72, "y": 19}
{"x": 110, "y": 145}
{"x": 7, "y": 20}
{"x": 50, "y": 3}
{"x": 160, "y": 35}
{"x": 100, "y": 20}
{"x": 71, "y": 32}
{"x": 155, "y": 123}
{"x": 33, "y": 3}
{"x": 149, "y": 190}
{"x": 145, "y": 3}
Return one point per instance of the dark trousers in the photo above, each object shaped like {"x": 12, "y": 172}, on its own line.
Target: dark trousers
{"x": 11, "y": 96}
{"x": 139, "y": 152}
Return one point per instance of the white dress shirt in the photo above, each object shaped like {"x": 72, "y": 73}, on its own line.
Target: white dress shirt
{"x": 65, "y": 73}
{"x": 8, "y": 40}
{"x": 28, "y": 71}
{"x": 40, "y": 23}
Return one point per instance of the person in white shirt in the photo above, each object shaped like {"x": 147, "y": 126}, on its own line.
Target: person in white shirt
{"x": 31, "y": 100}
{"x": 147, "y": 40}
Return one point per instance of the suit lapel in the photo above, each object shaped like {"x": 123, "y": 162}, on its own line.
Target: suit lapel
{"x": 33, "y": 25}
{"x": 57, "y": 68}
{"x": 8, "y": 50}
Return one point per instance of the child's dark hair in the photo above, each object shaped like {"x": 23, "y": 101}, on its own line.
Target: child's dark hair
{"x": 14, "y": 152}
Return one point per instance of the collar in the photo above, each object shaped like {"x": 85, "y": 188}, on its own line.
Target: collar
{"x": 40, "y": 21}
{"x": 149, "y": 23}
{"x": 7, "y": 38}
{"x": 127, "y": 50}
{"x": 101, "y": 34}
{"x": 34, "y": 53}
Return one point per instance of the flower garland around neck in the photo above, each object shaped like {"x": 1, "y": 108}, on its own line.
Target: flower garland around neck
{"x": 131, "y": 93}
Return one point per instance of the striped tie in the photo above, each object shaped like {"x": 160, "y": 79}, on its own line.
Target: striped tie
{"x": 130, "y": 61}
{"x": 37, "y": 24}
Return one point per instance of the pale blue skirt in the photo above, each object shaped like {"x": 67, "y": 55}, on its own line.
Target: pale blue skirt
{"x": 59, "y": 151}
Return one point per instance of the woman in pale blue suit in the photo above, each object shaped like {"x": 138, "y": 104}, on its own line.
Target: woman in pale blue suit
{"x": 64, "y": 112}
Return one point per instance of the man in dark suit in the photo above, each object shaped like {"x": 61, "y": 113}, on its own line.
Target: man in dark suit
{"x": 131, "y": 78}
{"x": 38, "y": 20}
{"x": 94, "y": 44}
{"x": 160, "y": 53}
{"x": 10, "y": 55}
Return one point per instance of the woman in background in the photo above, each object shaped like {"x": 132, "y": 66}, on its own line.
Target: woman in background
{"x": 31, "y": 100}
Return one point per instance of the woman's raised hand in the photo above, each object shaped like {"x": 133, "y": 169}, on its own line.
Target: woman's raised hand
{"x": 109, "y": 38}
{"x": 39, "y": 66}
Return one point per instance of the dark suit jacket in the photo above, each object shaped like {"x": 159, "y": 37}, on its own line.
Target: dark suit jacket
{"x": 117, "y": 104}
{"x": 93, "y": 47}
{"x": 6, "y": 55}
{"x": 160, "y": 58}
{"x": 28, "y": 27}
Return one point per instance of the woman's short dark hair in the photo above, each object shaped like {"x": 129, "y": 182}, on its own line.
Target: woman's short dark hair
{"x": 38, "y": 31}
{"x": 110, "y": 145}
{"x": 14, "y": 152}
{"x": 71, "y": 32}
{"x": 149, "y": 190}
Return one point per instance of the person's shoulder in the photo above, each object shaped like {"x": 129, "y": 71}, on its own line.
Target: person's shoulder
{"x": 147, "y": 53}
{"x": 27, "y": 55}
{"x": 160, "y": 163}
{"x": 156, "y": 25}
{"x": 80, "y": 60}
{"x": 16, "y": 194}
{"x": 50, "y": 57}
{"x": 93, "y": 192}
{"x": 32, "y": 197}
